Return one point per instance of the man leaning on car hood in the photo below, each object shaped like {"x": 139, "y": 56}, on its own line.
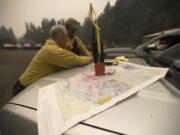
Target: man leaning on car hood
{"x": 51, "y": 57}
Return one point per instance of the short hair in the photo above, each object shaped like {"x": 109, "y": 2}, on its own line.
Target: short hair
{"x": 71, "y": 22}
{"x": 57, "y": 30}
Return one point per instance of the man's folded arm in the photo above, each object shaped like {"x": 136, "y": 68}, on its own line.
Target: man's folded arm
{"x": 82, "y": 47}
{"x": 66, "y": 59}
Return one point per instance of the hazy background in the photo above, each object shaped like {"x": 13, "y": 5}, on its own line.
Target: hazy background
{"x": 122, "y": 22}
{"x": 14, "y": 13}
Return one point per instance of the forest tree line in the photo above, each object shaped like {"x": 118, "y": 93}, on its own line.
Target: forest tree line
{"x": 123, "y": 24}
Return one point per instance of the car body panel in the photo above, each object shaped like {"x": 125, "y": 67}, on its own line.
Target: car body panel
{"x": 114, "y": 52}
{"x": 25, "y": 120}
{"x": 154, "y": 110}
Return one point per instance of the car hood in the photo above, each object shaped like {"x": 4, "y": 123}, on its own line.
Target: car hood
{"x": 155, "y": 109}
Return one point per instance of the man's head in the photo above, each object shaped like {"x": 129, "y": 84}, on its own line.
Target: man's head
{"x": 59, "y": 34}
{"x": 71, "y": 26}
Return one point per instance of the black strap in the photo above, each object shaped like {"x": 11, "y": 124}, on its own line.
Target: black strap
{"x": 75, "y": 48}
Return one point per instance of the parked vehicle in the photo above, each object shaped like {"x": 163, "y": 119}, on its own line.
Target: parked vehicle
{"x": 158, "y": 44}
{"x": 154, "y": 110}
{"x": 169, "y": 58}
{"x": 9, "y": 46}
{"x": 152, "y": 46}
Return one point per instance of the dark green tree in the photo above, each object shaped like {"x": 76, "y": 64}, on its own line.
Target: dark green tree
{"x": 7, "y": 36}
{"x": 129, "y": 20}
{"x": 46, "y": 25}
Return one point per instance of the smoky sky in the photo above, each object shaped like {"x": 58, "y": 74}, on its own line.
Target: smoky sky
{"x": 14, "y": 13}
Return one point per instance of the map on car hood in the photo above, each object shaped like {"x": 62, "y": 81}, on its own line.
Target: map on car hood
{"x": 63, "y": 104}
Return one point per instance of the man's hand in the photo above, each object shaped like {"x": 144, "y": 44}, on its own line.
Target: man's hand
{"x": 90, "y": 59}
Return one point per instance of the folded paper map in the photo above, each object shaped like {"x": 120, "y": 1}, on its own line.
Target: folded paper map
{"x": 63, "y": 104}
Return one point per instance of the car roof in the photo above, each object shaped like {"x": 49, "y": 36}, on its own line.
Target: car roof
{"x": 171, "y": 31}
{"x": 158, "y": 37}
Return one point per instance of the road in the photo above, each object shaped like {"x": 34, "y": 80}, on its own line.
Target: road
{"x": 12, "y": 65}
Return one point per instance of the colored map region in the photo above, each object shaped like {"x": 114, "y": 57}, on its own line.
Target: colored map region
{"x": 65, "y": 103}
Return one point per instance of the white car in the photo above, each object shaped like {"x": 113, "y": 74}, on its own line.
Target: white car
{"x": 155, "y": 110}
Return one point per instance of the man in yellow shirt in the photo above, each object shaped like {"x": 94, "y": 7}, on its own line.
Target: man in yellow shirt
{"x": 51, "y": 57}
{"x": 74, "y": 43}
